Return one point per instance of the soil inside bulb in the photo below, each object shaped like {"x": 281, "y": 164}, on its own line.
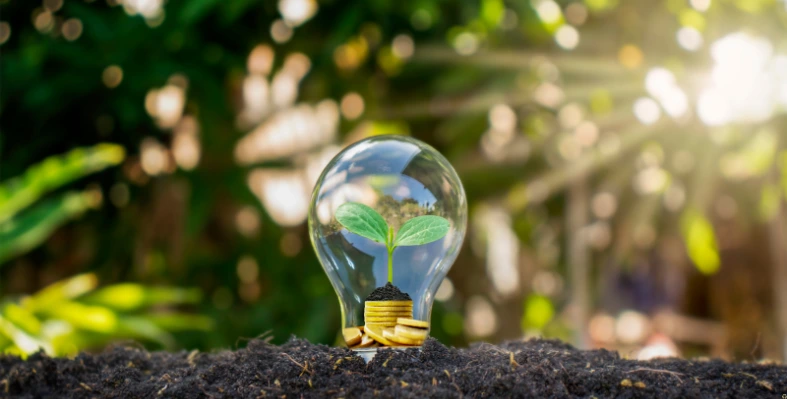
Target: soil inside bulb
{"x": 388, "y": 292}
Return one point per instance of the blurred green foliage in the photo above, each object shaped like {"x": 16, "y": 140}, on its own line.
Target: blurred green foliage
{"x": 74, "y": 314}
{"x": 20, "y": 233}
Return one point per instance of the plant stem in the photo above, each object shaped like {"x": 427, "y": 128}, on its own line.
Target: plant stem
{"x": 391, "y": 248}
{"x": 390, "y": 265}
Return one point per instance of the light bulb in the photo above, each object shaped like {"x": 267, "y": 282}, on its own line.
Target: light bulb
{"x": 387, "y": 220}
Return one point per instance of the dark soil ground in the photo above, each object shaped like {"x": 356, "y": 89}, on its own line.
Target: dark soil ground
{"x": 298, "y": 369}
{"x": 388, "y": 292}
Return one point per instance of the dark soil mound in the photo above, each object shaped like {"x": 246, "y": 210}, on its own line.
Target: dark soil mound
{"x": 537, "y": 368}
{"x": 388, "y": 292}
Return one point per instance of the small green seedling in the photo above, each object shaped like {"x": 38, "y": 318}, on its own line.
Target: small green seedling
{"x": 366, "y": 222}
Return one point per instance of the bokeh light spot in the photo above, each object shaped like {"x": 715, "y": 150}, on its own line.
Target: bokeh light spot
{"x": 280, "y": 31}
{"x": 480, "y": 317}
{"x": 567, "y": 37}
{"x": 630, "y": 56}
{"x": 296, "y": 12}
{"x": 53, "y": 5}
{"x": 72, "y": 29}
{"x": 647, "y": 111}
{"x": 112, "y": 76}
{"x": 352, "y": 106}
{"x": 5, "y": 31}
{"x": 689, "y": 38}
{"x": 403, "y": 46}
{"x": 445, "y": 291}
{"x": 248, "y": 270}
{"x": 466, "y": 43}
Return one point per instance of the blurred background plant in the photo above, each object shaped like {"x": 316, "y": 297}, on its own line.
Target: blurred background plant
{"x": 71, "y": 315}
{"x": 625, "y": 162}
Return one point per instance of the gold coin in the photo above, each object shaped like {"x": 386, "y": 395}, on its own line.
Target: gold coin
{"x": 376, "y": 332}
{"x": 391, "y": 335}
{"x": 386, "y": 319}
{"x": 410, "y": 332}
{"x": 383, "y": 325}
{"x": 391, "y": 311}
{"x": 375, "y": 320}
{"x": 412, "y": 323}
{"x": 388, "y": 314}
{"x": 352, "y": 335}
{"x": 366, "y": 341}
{"x": 380, "y": 320}
{"x": 389, "y": 303}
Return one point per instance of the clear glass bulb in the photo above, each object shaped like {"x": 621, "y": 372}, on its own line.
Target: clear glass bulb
{"x": 387, "y": 209}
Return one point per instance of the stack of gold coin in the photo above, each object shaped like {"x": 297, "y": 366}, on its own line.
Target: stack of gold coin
{"x": 404, "y": 332}
{"x": 356, "y": 337}
{"x": 407, "y": 331}
{"x": 385, "y": 313}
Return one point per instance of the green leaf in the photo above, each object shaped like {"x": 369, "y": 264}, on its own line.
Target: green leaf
{"x": 33, "y": 227}
{"x": 91, "y": 318}
{"x": 137, "y": 327}
{"x": 27, "y": 343}
{"x": 363, "y": 220}
{"x": 130, "y": 296}
{"x": 54, "y": 172}
{"x": 700, "y": 241}
{"x": 422, "y": 230}
{"x": 60, "y": 292}
{"x": 181, "y": 321}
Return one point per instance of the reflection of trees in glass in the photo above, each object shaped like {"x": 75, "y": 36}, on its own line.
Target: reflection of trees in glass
{"x": 361, "y": 277}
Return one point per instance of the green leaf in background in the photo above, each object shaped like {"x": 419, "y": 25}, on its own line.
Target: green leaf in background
{"x": 181, "y": 321}
{"x": 363, "y": 220}
{"x": 22, "y": 318}
{"x": 29, "y": 230}
{"x": 20, "y": 192}
{"x": 422, "y": 230}
{"x": 68, "y": 316}
{"x": 85, "y": 317}
{"x": 26, "y": 343}
{"x": 700, "y": 241}
{"x": 539, "y": 311}
{"x": 130, "y": 296}
{"x": 61, "y": 291}
{"x": 137, "y": 327}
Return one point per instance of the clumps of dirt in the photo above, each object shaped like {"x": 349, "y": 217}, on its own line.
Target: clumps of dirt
{"x": 298, "y": 369}
{"x": 388, "y": 292}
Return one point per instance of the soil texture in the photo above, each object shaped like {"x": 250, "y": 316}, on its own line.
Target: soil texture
{"x": 388, "y": 292}
{"x": 298, "y": 369}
